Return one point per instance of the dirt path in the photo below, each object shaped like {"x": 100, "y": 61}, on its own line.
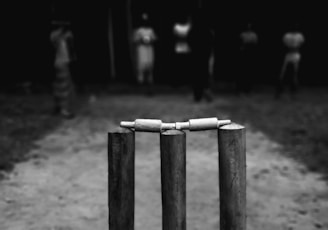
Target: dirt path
{"x": 65, "y": 185}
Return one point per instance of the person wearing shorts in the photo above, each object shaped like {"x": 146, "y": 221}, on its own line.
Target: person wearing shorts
{"x": 293, "y": 41}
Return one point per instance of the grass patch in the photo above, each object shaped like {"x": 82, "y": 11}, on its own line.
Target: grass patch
{"x": 300, "y": 125}
{"x": 23, "y": 119}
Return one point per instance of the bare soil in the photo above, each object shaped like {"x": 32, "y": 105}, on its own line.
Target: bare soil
{"x": 63, "y": 185}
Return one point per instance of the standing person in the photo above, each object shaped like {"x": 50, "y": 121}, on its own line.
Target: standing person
{"x": 144, "y": 37}
{"x": 182, "y": 50}
{"x": 248, "y": 59}
{"x": 202, "y": 46}
{"x": 63, "y": 87}
{"x": 293, "y": 41}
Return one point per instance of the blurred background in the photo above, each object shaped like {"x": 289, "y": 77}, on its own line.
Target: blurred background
{"x": 102, "y": 32}
{"x": 53, "y": 171}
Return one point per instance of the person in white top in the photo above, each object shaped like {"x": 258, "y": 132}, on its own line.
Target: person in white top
{"x": 293, "y": 41}
{"x": 144, "y": 37}
{"x": 182, "y": 50}
{"x": 181, "y": 31}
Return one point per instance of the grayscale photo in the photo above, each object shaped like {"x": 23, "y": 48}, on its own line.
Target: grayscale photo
{"x": 164, "y": 115}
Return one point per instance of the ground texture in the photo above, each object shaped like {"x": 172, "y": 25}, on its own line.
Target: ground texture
{"x": 63, "y": 184}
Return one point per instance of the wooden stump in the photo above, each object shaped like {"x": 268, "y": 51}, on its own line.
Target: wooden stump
{"x": 232, "y": 177}
{"x": 121, "y": 163}
{"x": 173, "y": 178}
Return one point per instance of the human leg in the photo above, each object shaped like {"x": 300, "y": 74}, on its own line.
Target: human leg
{"x": 295, "y": 82}
{"x": 63, "y": 89}
{"x": 149, "y": 80}
{"x": 280, "y": 80}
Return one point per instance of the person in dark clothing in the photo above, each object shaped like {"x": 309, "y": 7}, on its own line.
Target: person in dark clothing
{"x": 202, "y": 50}
{"x": 247, "y": 60}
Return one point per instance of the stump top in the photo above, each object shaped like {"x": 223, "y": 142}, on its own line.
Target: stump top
{"x": 232, "y": 126}
{"x": 120, "y": 130}
{"x": 172, "y": 132}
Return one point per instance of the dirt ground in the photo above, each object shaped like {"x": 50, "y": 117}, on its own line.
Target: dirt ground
{"x": 64, "y": 184}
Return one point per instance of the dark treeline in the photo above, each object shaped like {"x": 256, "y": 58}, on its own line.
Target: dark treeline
{"x": 29, "y": 53}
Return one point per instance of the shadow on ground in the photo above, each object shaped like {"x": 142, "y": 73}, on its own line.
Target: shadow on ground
{"x": 300, "y": 125}
{"x": 24, "y": 118}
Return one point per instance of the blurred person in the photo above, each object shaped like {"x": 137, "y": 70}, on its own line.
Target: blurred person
{"x": 293, "y": 41}
{"x": 63, "y": 88}
{"x": 182, "y": 50}
{"x": 202, "y": 51}
{"x": 144, "y": 37}
{"x": 247, "y": 59}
